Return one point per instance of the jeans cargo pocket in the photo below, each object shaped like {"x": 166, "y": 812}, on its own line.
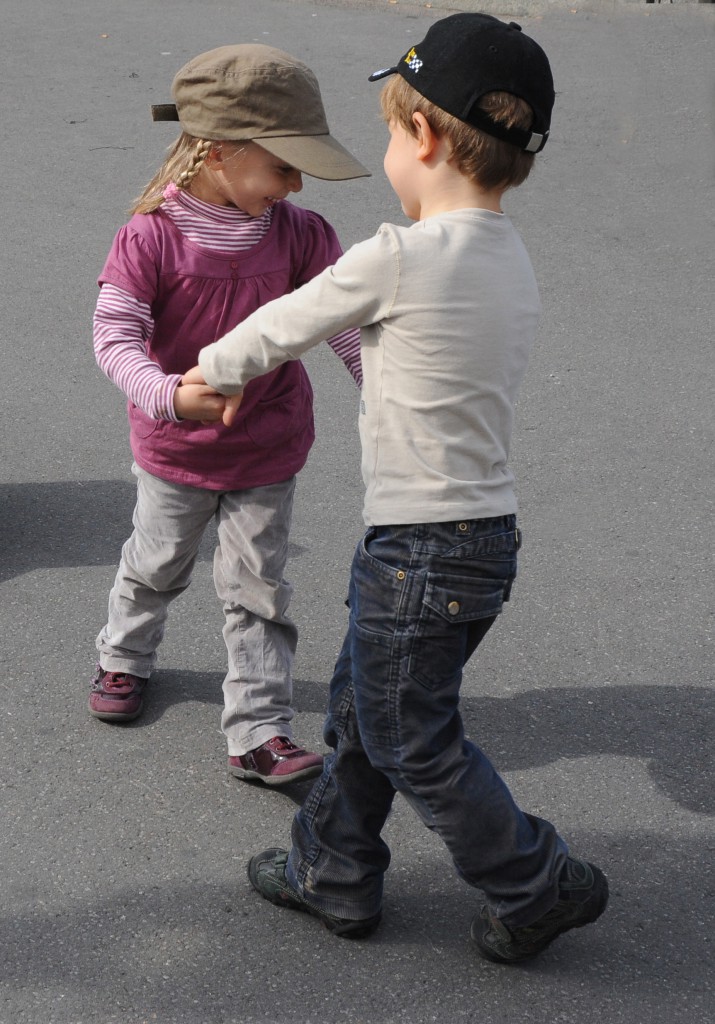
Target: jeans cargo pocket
{"x": 449, "y": 605}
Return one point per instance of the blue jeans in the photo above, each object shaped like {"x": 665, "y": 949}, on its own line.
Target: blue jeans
{"x": 422, "y": 597}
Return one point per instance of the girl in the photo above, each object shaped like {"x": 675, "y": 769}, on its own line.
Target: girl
{"x": 211, "y": 239}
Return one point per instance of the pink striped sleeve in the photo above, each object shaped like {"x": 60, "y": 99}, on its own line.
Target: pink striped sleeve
{"x": 347, "y": 346}
{"x": 122, "y": 324}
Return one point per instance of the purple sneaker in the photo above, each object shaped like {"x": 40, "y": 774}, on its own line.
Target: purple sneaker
{"x": 276, "y": 763}
{"x": 116, "y": 696}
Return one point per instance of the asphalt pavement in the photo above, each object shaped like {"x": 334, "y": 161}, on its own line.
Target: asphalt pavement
{"x": 123, "y": 849}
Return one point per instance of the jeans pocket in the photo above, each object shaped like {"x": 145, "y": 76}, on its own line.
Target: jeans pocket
{"x": 449, "y": 604}
{"x": 376, "y": 590}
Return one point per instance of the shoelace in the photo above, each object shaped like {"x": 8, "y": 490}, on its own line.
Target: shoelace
{"x": 115, "y": 682}
{"x": 283, "y": 747}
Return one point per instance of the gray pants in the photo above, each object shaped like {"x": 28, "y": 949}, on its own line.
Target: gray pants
{"x": 156, "y": 566}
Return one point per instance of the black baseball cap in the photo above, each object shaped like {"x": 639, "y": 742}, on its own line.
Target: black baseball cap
{"x": 464, "y": 56}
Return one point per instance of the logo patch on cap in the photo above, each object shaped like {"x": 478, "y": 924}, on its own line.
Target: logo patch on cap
{"x": 413, "y": 61}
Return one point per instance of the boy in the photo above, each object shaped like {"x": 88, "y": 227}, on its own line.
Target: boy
{"x": 448, "y": 309}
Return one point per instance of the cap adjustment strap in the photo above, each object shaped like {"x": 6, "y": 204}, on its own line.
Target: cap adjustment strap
{"x": 164, "y": 112}
{"x": 531, "y": 142}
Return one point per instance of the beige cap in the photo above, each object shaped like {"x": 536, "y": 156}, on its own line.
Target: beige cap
{"x": 255, "y": 92}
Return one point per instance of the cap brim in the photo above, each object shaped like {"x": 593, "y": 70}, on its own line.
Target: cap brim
{"x": 320, "y": 156}
{"x": 377, "y": 75}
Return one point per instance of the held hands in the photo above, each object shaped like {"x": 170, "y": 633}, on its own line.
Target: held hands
{"x": 195, "y": 400}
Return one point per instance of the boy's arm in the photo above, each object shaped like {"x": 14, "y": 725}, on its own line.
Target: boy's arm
{"x": 357, "y": 291}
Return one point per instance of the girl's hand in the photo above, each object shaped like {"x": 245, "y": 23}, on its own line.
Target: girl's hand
{"x": 199, "y": 402}
{"x": 193, "y": 380}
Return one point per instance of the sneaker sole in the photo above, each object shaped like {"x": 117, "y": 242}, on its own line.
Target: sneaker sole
{"x": 274, "y": 780}
{"x": 116, "y": 716}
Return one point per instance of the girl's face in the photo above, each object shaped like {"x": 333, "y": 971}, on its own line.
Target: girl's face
{"x": 244, "y": 175}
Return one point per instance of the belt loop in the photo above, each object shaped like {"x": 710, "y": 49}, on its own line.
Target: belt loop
{"x": 517, "y": 537}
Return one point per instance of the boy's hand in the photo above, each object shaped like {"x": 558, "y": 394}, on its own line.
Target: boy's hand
{"x": 194, "y": 376}
{"x": 232, "y": 404}
{"x": 219, "y": 406}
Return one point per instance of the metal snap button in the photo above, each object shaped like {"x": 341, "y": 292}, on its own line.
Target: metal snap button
{"x": 453, "y": 607}
{"x": 400, "y": 575}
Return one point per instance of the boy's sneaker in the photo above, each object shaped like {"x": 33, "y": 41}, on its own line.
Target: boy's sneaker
{"x": 276, "y": 763}
{"x": 583, "y": 895}
{"x": 267, "y": 875}
{"x": 116, "y": 696}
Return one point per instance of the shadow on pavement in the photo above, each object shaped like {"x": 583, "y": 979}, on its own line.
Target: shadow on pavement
{"x": 669, "y": 728}
{"x": 69, "y": 523}
{"x": 214, "y": 951}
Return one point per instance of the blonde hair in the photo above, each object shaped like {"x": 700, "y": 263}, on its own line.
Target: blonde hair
{"x": 183, "y": 162}
{"x": 487, "y": 161}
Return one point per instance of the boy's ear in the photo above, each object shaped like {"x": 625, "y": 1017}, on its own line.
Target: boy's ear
{"x": 426, "y": 138}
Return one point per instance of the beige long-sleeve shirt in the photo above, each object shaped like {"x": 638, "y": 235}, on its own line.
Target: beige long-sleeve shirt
{"x": 448, "y": 310}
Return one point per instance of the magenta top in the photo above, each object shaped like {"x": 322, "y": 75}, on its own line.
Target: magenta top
{"x": 196, "y": 295}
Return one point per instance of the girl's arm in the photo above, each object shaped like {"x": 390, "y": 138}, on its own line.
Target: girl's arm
{"x": 122, "y": 325}
{"x": 322, "y": 249}
{"x": 347, "y": 346}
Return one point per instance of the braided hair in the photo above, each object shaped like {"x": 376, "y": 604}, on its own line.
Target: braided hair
{"x": 183, "y": 162}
